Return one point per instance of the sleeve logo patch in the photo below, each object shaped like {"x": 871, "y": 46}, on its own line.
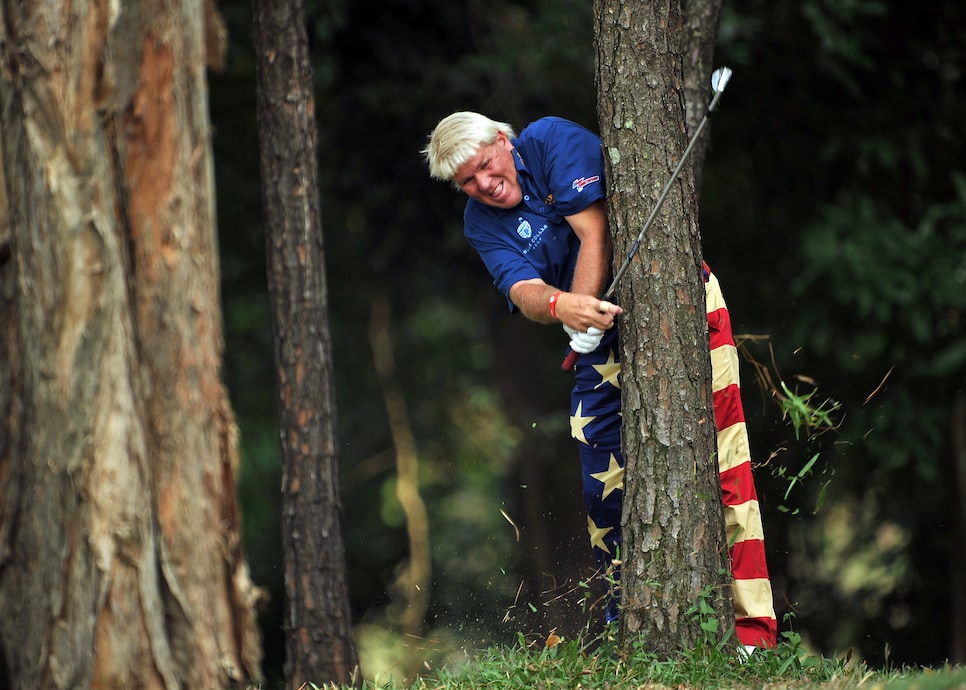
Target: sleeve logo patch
{"x": 582, "y": 182}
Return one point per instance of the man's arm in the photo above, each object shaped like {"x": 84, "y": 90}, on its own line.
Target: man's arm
{"x": 580, "y": 307}
{"x": 593, "y": 260}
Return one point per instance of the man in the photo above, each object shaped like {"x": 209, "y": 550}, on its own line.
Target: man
{"x": 537, "y": 216}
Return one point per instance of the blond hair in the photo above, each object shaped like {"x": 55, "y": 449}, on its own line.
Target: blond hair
{"x": 457, "y": 138}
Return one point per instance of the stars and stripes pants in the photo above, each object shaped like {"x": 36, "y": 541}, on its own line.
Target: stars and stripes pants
{"x": 595, "y": 424}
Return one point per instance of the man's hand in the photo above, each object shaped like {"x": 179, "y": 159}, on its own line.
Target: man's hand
{"x": 584, "y": 342}
{"x": 582, "y": 312}
{"x": 579, "y": 311}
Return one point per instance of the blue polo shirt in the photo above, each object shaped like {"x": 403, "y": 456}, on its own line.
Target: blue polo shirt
{"x": 560, "y": 167}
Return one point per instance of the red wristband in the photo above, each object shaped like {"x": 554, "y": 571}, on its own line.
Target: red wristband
{"x": 553, "y": 303}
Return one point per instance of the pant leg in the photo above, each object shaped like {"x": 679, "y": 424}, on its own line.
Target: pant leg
{"x": 595, "y": 423}
{"x": 755, "y": 620}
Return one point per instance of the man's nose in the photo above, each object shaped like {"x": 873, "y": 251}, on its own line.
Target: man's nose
{"x": 484, "y": 183}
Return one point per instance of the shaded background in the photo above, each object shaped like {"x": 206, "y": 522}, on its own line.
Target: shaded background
{"x": 833, "y": 211}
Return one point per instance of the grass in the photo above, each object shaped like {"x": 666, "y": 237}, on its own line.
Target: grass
{"x": 576, "y": 665}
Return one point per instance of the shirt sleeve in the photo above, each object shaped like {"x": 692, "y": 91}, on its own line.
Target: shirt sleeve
{"x": 573, "y": 165}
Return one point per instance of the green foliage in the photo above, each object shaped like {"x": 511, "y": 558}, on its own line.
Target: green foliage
{"x": 808, "y": 422}
{"x": 556, "y": 663}
{"x": 841, "y": 27}
{"x": 512, "y": 670}
{"x": 904, "y": 286}
{"x": 804, "y": 416}
{"x": 704, "y": 614}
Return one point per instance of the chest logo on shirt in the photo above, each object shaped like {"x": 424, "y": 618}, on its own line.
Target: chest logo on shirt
{"x": 582, "y": 182}
{"x": 533, "y": 237}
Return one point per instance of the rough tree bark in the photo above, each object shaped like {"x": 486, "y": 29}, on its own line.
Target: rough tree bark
{"x": 674, "y": 539}
{"x": 120, "y": 558}
{"x": 319, "y": 646}
{"x": 700, "y": 35}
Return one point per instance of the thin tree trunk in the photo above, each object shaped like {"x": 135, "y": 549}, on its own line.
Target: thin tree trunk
{"x": 957, "y": 428}
{"x": 674, "y": 540}
{"x": 411, "y": 588}
{"x": 120, "y": 559}
{"x": 319, "y": 646}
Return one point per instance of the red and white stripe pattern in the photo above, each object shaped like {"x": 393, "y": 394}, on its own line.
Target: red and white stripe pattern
{"x": 755, "y": 620}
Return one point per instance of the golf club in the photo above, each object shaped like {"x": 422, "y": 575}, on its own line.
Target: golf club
{"x": 719, "y": 80}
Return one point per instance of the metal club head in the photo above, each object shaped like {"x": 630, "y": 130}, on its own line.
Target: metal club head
{"x": 719, "y": 79}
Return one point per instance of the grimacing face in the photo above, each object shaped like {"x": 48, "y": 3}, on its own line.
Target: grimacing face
{"x": 490, "y": 176}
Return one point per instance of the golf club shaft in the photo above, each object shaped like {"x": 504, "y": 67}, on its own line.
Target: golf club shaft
{"x": 571, "y": 359}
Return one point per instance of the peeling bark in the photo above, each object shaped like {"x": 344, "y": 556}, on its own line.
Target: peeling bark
{"x": 120, "y": 563}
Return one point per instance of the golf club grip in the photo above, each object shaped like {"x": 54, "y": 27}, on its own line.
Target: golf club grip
{"x": 570, "y": 361}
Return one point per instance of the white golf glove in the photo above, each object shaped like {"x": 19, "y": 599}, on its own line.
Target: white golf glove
{"x": 584, "y": 342}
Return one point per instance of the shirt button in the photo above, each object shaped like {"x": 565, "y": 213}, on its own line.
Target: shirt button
{"x": 526, "y": 198}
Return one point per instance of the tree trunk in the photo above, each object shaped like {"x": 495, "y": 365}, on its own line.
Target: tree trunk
{"x": 412, "y": 586}
{"x": 674, "y": 540}
{"x": 319, "y": 646}
{"x": 700, "y": 35}
{"x": 120, "y": 558}
{"x": 957, "y": 432}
